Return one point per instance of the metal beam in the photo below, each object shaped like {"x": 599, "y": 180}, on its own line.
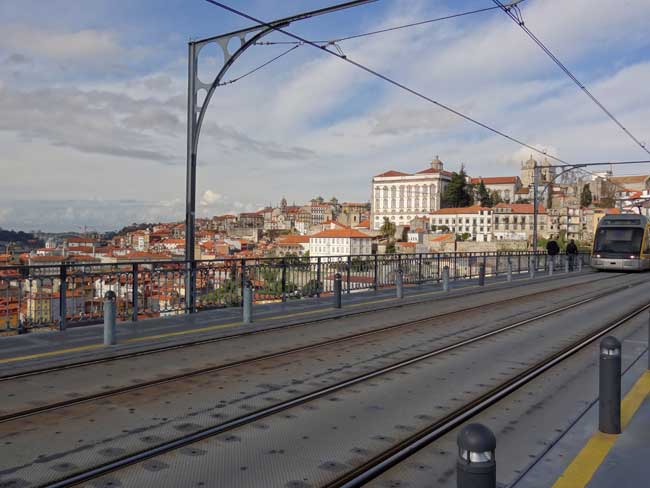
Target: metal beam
{"x": 196, "y": 114}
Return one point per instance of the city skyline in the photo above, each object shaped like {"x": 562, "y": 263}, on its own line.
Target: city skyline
{"x": 95, "y": 109}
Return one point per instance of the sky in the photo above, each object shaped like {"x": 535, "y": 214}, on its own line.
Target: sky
{"x": 93, "y": 98}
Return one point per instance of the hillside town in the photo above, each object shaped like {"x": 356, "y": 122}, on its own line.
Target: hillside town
{"x": 432, "y": 210}
{"x": 407, "y": 213}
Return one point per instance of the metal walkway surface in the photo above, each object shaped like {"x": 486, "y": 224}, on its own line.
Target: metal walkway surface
{"x": 307, "y": 404}
{"x": 84, "y": 342}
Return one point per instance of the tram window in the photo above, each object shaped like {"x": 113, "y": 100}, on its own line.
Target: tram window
{"x": 619, "y": 240}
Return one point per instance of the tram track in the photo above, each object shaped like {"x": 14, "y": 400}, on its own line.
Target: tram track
{"x": 175, "y": 347}
{"x": 403, "y": 449}
{"x": 212, "y": 369}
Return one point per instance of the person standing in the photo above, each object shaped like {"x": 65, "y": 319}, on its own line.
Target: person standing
{"x": 553, "y": 250}
{"x": 572, "y": 253}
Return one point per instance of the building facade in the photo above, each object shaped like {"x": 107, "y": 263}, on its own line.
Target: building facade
{"x": 339, "y": 242}
{"x": 401, "y": 197}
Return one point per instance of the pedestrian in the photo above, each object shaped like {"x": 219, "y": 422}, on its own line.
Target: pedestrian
{"x": 553, "y": 250}
{"x": 572, "y": 253}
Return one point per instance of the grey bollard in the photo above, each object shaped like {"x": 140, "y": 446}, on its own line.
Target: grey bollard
{"x": 110, "y": 310}
{"x": 579, "y": 263}
{"x": 509, "y": 275}
{"x": 566, "y": 263}
{"x": 481, "y": 274}
{"x": 337, "y": 290}
{"x": 399, "y": 283}
{"x": 248, "y": 303}
{"x": 531, "y": 267}
{"x": 476, "y": 465}
{"x": 609, "y": 383}
{"x": 445, "y": 278}
{"x": 551, "y": 266}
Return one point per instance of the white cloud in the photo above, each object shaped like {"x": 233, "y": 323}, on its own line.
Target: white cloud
{"x": 82, "y": 45}
{"x": 210, "y": 197}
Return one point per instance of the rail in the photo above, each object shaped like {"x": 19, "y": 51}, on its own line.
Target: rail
{"x": 58, "y": 296}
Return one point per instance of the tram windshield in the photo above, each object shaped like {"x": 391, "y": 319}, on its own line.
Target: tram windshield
{"x": 618, "y": 240}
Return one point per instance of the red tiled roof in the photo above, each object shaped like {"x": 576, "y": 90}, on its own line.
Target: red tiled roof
{"x": 293, "y": 239}
{"x": 364, "y": 223}
{"x": 459, "y": 210}
{"x": 443, "y": 237}
{"x": 406, "y": 244}
{"x": 349, "y": 233}
{"x": 495, "y": 180}
{"x": 522, "y": 191}
{"x": 392, "y": 173}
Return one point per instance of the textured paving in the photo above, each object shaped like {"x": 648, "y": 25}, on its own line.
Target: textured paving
{"x": 314, "y": 443}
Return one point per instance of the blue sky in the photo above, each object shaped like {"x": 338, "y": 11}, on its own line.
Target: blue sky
{"x": 92, "y": 102}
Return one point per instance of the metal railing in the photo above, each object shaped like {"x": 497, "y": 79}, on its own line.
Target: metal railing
{"x": 72, "y": 294}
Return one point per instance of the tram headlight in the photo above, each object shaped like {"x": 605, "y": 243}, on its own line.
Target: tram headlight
{"x": 632, "y": 257}
{"x": 596, "y": 255}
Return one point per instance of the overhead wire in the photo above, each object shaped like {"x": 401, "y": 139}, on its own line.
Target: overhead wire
{"x": 234, "y": 80}
{"x": 518, "y": 19}
{"x": 388, "y": 29}
{"x": 389, "y": 80}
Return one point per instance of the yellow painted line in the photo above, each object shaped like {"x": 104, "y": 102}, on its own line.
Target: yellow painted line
{"x": 585, "y": 464}
{"x": 51, "y": 353}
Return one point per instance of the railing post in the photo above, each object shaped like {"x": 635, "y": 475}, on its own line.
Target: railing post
{"x": 445, "y": 278}
{"x": 243, "y": 279}
{"x": 481, "y": 274}
{"x": 609, "y": 380}
{"x": 399, "y": 283}
{"x": 579, "y": 262}
{"x": 63, "y": 287}
{"x": 284, "y": 280}
{"x": 531, "y": 266}
{"x": 420, "y": 269}
{"x": 509, "y": 275}
{"x": 518, "y": 263}
{"x": 496, "y": 265}
{"x": 318, "y": 277}
{"x": 550, "y": 267}
{"x": 566, "y": 263}
{"x": 337, "y": 290}
{"x": 134, "y": 293}
{"x": 348, "y": 273}
{"x": 247, "y": 315}
{"x": 476, "y": 466}
{"x": 190, "y": 287}
{"x": 438, "y": 276}
{"x": 376, "y": 274}
{"x": 110, "y": 336}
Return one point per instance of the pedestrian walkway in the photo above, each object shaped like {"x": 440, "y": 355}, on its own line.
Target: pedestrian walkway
{"x": 81, "y": 343}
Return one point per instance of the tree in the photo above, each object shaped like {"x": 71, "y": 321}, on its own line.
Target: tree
{"x": 586, "y": 197}
{"x": 496, "y": 198}
{"x": 388, "y": 229}
{"x": 458, "y": 192}
{"x": 483, "y": 195}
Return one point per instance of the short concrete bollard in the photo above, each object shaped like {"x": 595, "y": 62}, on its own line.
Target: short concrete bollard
{"x": 509, "y": 275}
{"x": 551, "y": 266}
{"x": 445, "y": 278}
{"x": 110, "y": 311}
{"x": 481, "y": 274}
{"x": 579, "y": 263}
{"x": 247, "y": 312}
{"x": 609, "y": 382}
{"x": 566, "y": 264}
{"x": 399, "y": 283}
{"x": 476, "y": 466}
{"x": 337, "y": 290}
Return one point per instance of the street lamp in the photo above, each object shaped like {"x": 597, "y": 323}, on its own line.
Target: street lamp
{"x": 195, "y": 114}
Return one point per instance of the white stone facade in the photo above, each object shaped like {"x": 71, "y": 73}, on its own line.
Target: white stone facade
{"x": 401, "y": 197}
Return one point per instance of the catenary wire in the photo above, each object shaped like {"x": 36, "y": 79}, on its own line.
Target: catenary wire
{"x": 388, "y": 29}
{"x": 390, "y": 81}
{"x": 234, "y": 80}
{"x": 520, "y": 22}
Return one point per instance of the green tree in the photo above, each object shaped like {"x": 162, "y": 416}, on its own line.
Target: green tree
{"x": 458, "y": 192}
{"x": 483, "y": 195}
{"x": 388, "y": 229}
{"x": 586, "y": 197}
{"x": 495, "y": 198}
{"x": 390, "y": 248}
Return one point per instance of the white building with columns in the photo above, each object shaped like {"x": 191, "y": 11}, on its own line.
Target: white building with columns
{"x": 401, "y": 197}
